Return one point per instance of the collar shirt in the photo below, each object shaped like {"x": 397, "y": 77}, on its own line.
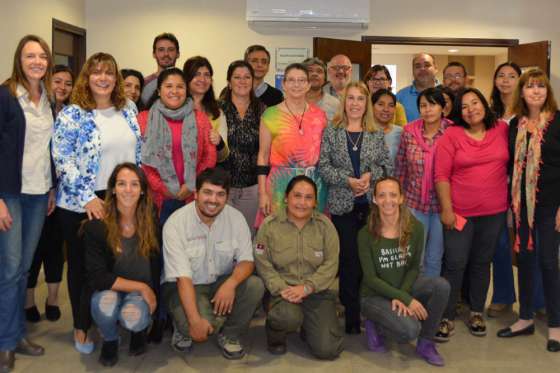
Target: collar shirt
{"x": 193, "y": 249}
{"x": 261, "y": 89}
{"x": 329, "y": 89}
{"x": 329, "y": 104}
{"x": 36, "y": 167}
{"x": 286, "y": 255}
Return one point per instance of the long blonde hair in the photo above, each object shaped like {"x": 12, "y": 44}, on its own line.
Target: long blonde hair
{"x": 406, "y": 221}
{"x": 340, "y": 119}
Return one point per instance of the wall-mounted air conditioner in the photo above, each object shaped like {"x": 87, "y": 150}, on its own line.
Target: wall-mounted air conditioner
{"x": 333, "y": 13}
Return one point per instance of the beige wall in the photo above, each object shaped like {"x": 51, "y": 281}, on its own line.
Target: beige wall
{"x": 21, "y": 17}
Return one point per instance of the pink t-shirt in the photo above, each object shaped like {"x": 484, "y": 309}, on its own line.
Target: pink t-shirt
{"x": 476, "y": 170}
{"x": 176, "y": 127}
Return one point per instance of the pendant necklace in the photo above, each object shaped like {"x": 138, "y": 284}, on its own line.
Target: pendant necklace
{"x": 354, "y": 144}
{"x": 300, "y": 124}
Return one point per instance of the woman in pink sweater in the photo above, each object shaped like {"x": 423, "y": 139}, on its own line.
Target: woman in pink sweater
{"x": 471, "y": 183}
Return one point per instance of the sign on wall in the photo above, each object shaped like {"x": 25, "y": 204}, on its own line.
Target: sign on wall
{"x": 286, "y": 56}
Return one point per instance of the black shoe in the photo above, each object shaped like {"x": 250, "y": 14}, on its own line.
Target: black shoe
{"x": 109, "y": 353}
{"x": 156, "y": 331}
{"x": 277, "y": 348}
{"x": 553, "y": 345}
{"x": 32, "y": 314}
{"x": 508, "y": 333}
{"x": 138, "y": 342}
{"x": 52, "y": 313}
{"x": 352, "y": 329}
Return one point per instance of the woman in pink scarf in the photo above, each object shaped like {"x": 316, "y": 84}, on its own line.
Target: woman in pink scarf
{"x": 415, "y": 169}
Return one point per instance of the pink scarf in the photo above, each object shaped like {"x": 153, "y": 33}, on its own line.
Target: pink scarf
{"x": 417, "y": 130}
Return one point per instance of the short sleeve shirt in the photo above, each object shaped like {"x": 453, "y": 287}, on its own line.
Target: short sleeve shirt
{"x": 193, "y": 249}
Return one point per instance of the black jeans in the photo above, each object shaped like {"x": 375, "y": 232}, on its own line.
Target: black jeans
{"x": 49, "y": 253}
{"x": 475, "y": 246}
{"x": 547, "y": 238}
{"x": 349, "y": 268}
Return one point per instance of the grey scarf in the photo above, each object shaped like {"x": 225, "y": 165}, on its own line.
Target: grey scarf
{"x": 156, "y": 151}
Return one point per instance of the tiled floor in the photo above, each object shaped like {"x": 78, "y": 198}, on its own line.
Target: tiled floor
{"x": 464, "y": 353}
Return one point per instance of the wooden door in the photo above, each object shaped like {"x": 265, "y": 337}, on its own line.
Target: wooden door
{"x": 68, "y": 45}
{"x": 535, "y": 54}
{"x": 358, "y": 52}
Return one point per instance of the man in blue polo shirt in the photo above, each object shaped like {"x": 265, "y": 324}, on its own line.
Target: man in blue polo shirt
{"x": 424, "y": 70}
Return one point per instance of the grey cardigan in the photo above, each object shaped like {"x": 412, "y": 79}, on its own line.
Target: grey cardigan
{"x": 335, "y": 165}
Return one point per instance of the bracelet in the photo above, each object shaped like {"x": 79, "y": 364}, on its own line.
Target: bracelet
{"x": 263, "y": 170}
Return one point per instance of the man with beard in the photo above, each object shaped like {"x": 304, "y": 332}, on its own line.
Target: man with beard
{"x": 455, "y": 76}
{"x": 165, "y": 50}
{"x": 259, "y": 59}
{"x": 340, "y": 73}
{"x": 424, "y": 70}
{"x": 317, "y": 77}
{"x": 208, "y": 265}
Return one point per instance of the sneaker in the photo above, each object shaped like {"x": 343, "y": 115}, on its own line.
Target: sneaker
{"x": 181, "y": 343}
{"x": 109, "y": 353}
{"x": 375, "y": 341}
{"x": 476, "y": 325}
{"x": 426, "y": 349}
{"x": 231, "y": 347}
{"x": 445, "y": 331}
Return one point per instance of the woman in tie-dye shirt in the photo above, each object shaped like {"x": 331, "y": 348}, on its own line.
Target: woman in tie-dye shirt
{"x": 290, "y": 141}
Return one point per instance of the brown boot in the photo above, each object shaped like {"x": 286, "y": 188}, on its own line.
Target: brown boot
{"x": 6, "y": 361}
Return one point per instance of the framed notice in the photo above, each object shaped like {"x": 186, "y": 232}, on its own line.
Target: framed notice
{"x": 286, "y": 56}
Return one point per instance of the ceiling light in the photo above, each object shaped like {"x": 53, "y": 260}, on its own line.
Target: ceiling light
{"x": 453, "y": 50}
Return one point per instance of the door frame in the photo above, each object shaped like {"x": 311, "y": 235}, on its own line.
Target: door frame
{"x": 79, "y": 42}
{"x": 463, "y": 42}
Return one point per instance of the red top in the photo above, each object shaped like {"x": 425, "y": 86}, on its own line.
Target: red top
{"x": 206, "y": 153}
{"x": 476, "y": 170}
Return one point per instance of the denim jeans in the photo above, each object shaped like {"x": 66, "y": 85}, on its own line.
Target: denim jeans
{"x": 17, "y": 247}
{"x": 128, "y": 309}
{"x": 432, "y": 255}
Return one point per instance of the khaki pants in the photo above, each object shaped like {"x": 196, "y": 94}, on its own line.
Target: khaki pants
{"x": 316, "y": 315}
{"x": 248, "y": 296}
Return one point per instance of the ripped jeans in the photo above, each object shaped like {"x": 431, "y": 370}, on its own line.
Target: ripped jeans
{"x": 128, "y": 309}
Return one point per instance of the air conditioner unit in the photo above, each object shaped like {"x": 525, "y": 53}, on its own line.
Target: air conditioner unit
{"x": 311, "y": 13}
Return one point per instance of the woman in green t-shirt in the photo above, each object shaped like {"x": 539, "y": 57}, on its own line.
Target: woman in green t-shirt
{"x": 395, "y": 300}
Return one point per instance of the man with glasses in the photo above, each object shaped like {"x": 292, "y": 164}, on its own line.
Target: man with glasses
{"x": 455, "y": 76}
{"x": 424, "y": 70}
{"x": 259, "y": 59}
{"x": 340, "y": 73}
{"x": 317, "y": 76}
{"x": 165, "y": 50}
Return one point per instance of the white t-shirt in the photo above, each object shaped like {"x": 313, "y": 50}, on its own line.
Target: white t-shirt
{"x": 118, "y": 143}
{"x": 36, "y": 167}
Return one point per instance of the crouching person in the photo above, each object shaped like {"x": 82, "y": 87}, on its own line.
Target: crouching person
{"x": 122, "y": 262}
{"x": 208, "y": 265}
{"x": 395, "y": 300}
{"x": 296, "y": 254}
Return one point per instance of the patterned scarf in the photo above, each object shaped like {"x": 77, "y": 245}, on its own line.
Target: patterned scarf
{"x": 156, "y": 151}
{"x": 528, "y": 159}
{"x": 429, "y": 151}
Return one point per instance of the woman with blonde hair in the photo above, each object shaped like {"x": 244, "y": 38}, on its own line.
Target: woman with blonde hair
{"x": 123, "y": 262}
{"x": 92, "y": 135}
{"x": 396, "y": 300}
{"x": 534, "y": 146}
{"x": 26, "y": 197}
{"x": 353, "y": 156}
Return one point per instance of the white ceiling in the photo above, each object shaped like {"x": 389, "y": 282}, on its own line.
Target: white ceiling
{"x": 436, "y": 50}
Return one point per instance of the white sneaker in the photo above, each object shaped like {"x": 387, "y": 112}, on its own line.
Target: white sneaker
{"x": 181, "y": 343}
{"x": 231, "y": 347}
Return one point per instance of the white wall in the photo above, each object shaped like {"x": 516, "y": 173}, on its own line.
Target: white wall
{"x": 21, "y": 17}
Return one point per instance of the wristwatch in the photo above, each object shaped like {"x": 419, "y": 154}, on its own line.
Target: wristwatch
{"x": 307, "y": 290}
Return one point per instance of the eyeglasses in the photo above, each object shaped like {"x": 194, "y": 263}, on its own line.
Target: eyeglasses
{"x": 344, "y": 68}
{"x": 378, "y": 80}
{"x": 453, "y": 76}
{"x": 292, "y": 81}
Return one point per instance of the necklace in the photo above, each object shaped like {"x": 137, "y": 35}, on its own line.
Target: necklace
{"x": 300, "y": 127}
{"x": 354, "y": 144}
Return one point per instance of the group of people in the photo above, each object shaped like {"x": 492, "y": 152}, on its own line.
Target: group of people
{"x": 174, "y": 204}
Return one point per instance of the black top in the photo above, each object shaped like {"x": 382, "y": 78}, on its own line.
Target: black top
{"x": 130, "y": 264}
{"x": 548, "y": 186}
{"x": 243, "y": 142}
{"x": 100, "y": 263}
{"x": 271, "y": 96}
{"x": 12, "y": 139}
{"x": 356, "y": 138}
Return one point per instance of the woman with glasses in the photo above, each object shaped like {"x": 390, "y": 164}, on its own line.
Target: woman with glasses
{"x": 378, "y": 77}
{"x": 289, "y": 143}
